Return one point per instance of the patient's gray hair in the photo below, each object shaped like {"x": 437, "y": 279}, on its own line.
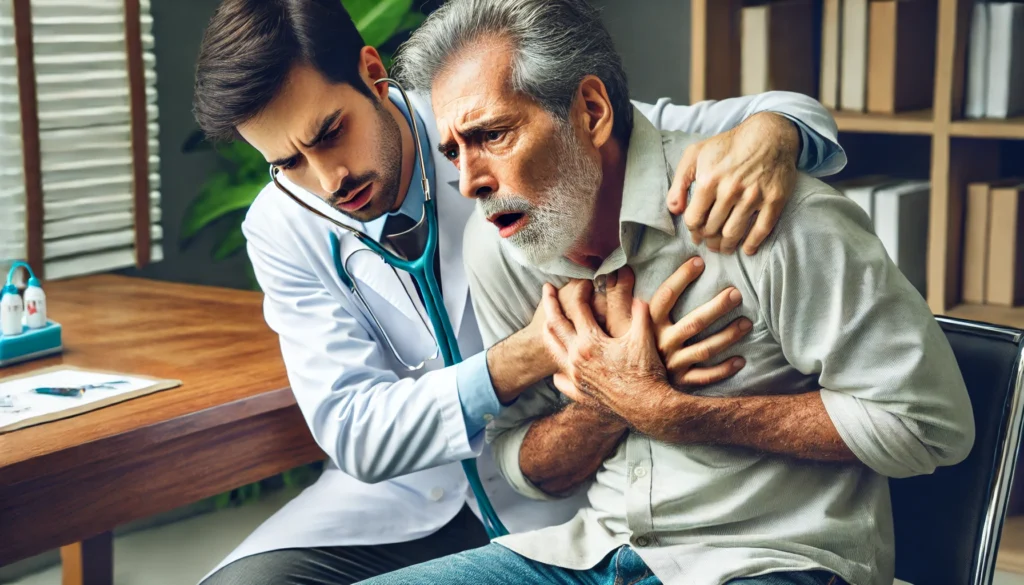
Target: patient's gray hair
{"x": 556, "y": 43}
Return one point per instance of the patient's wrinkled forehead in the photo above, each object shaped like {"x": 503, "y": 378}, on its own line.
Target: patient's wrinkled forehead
{"x": 475, "y": 84}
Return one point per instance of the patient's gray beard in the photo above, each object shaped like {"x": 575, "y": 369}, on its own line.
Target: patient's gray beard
{"x": 558, "y": 223}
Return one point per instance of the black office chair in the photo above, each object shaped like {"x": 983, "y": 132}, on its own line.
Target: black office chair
{"x": 948, "y": 523}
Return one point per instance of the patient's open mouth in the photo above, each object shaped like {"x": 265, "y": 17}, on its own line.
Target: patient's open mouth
{"x": 508, "y": 223}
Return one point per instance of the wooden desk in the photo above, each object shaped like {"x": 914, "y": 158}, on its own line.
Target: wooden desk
{"x": 233, "y": 421}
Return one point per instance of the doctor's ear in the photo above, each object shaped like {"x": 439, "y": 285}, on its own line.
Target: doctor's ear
{"x": 594, "y": 107}
{"x": 371, "y": 67}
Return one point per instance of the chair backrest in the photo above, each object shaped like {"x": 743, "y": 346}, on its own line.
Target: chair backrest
{"x": 948, "y": 523}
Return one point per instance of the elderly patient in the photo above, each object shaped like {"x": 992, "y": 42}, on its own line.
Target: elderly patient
{"x": 775, "y": 475}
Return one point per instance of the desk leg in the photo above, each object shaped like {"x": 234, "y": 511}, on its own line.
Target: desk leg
{"x": 90, "y": 562}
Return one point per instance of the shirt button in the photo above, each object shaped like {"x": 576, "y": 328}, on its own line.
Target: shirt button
{"x": 642, "y": 541}
{"x": 488, "y": 417}
{"x": 436, "y": 494}
{"x": 639, "y": 472}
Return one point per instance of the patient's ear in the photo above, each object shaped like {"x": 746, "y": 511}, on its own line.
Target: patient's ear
{"x": 594, "y": 108}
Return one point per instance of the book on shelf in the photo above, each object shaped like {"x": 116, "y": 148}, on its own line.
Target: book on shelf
{"x": 776, "y": 49}
{"x": 853, "y": 61}
{"x": 1005, "y": 270}
{"x": 901, "y": 222}
{"x": 901, "y": 55}
{"x": 898, "y": 209}
{"x": 995, "y": 61}
{"x": 976, "y": 229}
{"x": 828, "y": 93}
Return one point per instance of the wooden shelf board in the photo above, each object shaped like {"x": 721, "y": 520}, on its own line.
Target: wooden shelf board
{"x": 1008, "y": 128}
{"x": 916, "y": 122}
{"x": 1007, "y": 316}
{"x": 1011, "y": 546}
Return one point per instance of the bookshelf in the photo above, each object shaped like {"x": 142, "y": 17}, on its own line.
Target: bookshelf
{"x": 962, "y": 150}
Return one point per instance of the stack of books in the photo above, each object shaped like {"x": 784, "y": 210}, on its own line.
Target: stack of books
{"x": 898, "y": 209}
{"x": 995, "y": 61}
{"x": 993, "y": 260}
{"x": 878, "y": 55}
{"x": 776, "y": 47}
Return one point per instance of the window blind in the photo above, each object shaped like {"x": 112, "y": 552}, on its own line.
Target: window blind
{"x": 85, "y": 137}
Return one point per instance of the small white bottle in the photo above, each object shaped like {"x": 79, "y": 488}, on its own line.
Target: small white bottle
{"x": 11, "y": 310}
{"x": 35, "y": 305}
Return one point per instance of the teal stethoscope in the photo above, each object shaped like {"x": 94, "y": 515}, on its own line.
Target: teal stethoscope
{"x": 422, "y": 271}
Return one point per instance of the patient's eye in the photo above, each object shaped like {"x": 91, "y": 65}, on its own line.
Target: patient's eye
{"x": 493, "y": 135}
{"x": 451, "y": 154}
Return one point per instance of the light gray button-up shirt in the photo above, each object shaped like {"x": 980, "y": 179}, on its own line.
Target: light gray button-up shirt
{"x": 830, "y": 311}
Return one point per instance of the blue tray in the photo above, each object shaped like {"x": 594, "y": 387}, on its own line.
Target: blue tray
{"x": 31, "y": 344}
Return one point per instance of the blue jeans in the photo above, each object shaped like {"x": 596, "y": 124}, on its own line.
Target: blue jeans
{"x": 496, "y": 565}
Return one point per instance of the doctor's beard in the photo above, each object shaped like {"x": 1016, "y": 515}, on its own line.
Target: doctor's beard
{"x": 559, "y": 222}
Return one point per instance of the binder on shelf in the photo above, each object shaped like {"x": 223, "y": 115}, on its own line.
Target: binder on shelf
{"x": 976, "y": 230}
{"x": 1005, "y": 271}
{"x": 901, "y": 222}
{"x": 854, "y": 55}
{"x": 776, "y": 49}
{"x": 1005, "y": 76}
{"x": 901, "y": 55}
{"x": 977, "y": 62}
{"x": 831, "y": 18}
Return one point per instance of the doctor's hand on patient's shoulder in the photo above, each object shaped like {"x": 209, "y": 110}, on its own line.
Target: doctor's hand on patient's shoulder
{"x": 741, "y": 181}
{"x": 673, "y": 339}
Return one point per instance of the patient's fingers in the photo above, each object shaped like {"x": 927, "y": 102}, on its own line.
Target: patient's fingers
{"x": 709, "y": 375}
{"x": 576, "y": 304}
{"x": 668, "y": 293}
{"x": 619, "y": 301}
{"x": 706, "y": 349}
{"x": 697, "y": 320}
{"x": 558, "y": 331}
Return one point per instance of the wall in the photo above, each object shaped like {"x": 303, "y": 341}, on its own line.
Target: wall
{"x": 653, "y": 38}
{"x": 178, "y": 29}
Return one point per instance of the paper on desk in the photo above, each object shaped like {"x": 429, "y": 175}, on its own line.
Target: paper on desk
{"x": 31, "y": 408}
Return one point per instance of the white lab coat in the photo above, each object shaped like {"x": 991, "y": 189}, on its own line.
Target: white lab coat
{"x": 394, "y": 438}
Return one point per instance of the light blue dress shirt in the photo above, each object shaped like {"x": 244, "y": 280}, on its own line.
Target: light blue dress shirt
{"x": 476, "y": 390}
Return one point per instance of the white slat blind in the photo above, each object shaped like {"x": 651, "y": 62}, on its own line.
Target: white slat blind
{"x": 85, "y": 140}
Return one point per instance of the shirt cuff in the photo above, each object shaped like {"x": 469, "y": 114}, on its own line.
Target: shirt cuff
{"x": 476, "y": 393}
{"x": 813, "y": 148}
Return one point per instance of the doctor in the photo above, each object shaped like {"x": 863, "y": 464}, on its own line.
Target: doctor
{"x": 292, "y": 78}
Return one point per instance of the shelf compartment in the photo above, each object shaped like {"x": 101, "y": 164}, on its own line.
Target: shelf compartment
{"x": 996, "y": 315}
{"x": 916, "y": 122}
{"x": 1012, "y": 128}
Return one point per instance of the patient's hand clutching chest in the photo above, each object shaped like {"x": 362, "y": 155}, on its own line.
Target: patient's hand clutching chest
{"x": 634, "y": 358}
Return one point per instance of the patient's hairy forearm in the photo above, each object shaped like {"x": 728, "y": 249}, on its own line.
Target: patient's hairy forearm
{"x": 516, "y": 363}
{"x": 795, "y": 425}
{"x": 565, "y": 449}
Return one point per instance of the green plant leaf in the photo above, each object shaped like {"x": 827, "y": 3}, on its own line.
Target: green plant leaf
{"x": 232, "y": 242}
{"x": 377, "y": 20}
{"x": 221, "y": 501}
{"x": 215, "y": 201}
{"x": 410, "y": 21}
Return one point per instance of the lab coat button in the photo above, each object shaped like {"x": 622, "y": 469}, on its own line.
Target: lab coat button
{"x": 488, "y": 417}
{"x": 642, "y": 541}
{"x": 639, "y": 472}
{"x": 436, "y": 494}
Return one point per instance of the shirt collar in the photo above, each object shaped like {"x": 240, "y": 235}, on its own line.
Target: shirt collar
{"x": 644, "y": 189}
{"x": 412, "y": 206}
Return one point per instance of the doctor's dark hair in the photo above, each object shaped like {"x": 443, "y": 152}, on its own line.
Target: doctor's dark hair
{"x": 250, "y": 46}
{"x": 556, "y": 43}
